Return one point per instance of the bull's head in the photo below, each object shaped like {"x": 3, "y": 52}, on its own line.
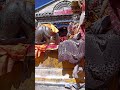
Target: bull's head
{"x": 43, "y": 35}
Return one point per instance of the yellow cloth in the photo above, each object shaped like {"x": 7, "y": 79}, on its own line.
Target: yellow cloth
{"x": 52, "y": 27}
{"x": 39, "y": 49}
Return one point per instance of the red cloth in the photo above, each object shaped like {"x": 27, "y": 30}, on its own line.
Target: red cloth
{"x": 52, "y": 47}
{"x": 82, "y": 31}
{"x": 39, "y": 49}
{"x": 63, "y": 38}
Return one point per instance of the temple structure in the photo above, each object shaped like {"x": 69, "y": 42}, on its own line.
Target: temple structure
{"x": 49, "y": 70}
{"x": 57, "y": 12}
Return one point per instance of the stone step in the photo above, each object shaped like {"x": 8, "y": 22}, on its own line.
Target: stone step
{"x": 55, "y": 76}
{"x": 54, "y": 80}
{"x": 51, "y": 71}
{"x": 57, "y": 81}
{"x": 43, "y": 71}
{"x": 52, "y": 87}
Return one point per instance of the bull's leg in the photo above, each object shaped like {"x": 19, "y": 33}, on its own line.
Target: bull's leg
{"x": 10, "y": 65}
{"x": 3, "y": 64}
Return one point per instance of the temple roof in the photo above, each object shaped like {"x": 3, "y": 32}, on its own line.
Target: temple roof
{"x": 48, "y": 8}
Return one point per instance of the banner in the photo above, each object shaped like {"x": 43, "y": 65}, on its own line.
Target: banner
{"x": 64, "y": 11}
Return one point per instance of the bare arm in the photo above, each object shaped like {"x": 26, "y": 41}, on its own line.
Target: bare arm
{"x": 76, "y": 70}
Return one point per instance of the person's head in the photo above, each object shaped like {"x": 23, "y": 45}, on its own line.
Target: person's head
{"x": 75, "y": 17}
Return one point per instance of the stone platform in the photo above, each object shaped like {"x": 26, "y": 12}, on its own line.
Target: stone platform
{"x": 49, "y": 71}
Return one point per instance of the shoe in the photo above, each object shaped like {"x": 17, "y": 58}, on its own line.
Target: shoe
{"x": 82, "y": 85}
{"x": 68, "y": 86}
{"x": 76, "y": 86}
